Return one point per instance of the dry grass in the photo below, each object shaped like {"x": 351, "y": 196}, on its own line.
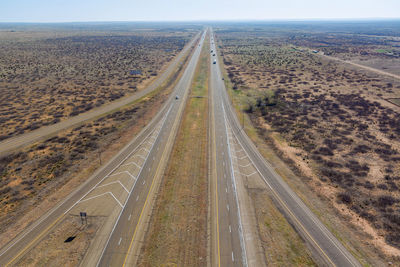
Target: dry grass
{"x": 331, "y": 124}
{"x": 47, "y": 76}
{"x": 31, "y": 177}
{"x": 275, "y": 232}
{"x": 54, "y": 251}
{"x": 177, "y": 234}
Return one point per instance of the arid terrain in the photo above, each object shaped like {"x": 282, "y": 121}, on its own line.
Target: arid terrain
{"x": 338, "y": 128}
{"x": 49, "y": 74}
{"x": 33, "y": 175}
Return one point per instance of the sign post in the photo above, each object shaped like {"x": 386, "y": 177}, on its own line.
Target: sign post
{"x": 83, "y": 217}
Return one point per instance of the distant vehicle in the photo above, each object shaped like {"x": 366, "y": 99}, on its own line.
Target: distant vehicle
{"x": 211, "y": 51}
{"x": 223, "y": 79}
{"x": 214, "y": 55}
{"x": 215, "y": 61}
{"x": 176, "y": 97}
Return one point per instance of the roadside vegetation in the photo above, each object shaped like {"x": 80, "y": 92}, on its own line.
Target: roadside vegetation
{"x": 34, "y": 178}
{"x": 177, "y": 233}
{"x": 48, "y": 75}
{"x": 335, "y": 127}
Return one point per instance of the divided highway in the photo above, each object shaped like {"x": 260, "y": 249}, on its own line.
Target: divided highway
{"x": 324, "y": 244}
{"x": 162, "y": 129}
{"x": 127, "y": 184}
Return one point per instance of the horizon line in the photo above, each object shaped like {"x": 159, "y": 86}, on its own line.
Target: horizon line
{"x": 211, "y": 20}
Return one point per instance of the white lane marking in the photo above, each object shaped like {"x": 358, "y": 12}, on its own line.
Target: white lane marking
{"x": 140, "y": 156}
{"x": 150, "y": 143}
{"x": 242, "y": 243}
{"x": 133, "y": 177}
{"x": 154, "y": 158}
{"x": 130, "y": 163}
{"x": 244, "y": 166}
{"x": 115, "y": 182}
{"x": 144, "y": 182}
{"x": 130, "y": 192}
{"x": 233, "y": 259}
{"x": 227, "y": 206}
{"x": 118, "y": 165}
{"x": 137, "y": 198}
{"x": 230, "y": 229}
{"x": 145, "y": 149}
{"x": 103, "y": 195}
{"x": 119, "y": 242}
{"x": 223, "y": 163}
{"x": 251, "y": 173}
{"x": 129, "y": 218}
{"x": 226, "y": 189}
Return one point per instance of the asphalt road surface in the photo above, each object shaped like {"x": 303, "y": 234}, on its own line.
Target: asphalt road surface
{"x": 116, "y": 251}
{"x": 46, "y": 131}
{"x": 325, "y": 246}
{"x": 228, "y": 245}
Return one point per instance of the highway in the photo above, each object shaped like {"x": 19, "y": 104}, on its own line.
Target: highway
{"x": 117, "y": 188}
{"x": 123, "y": 190}
{"x": 325, "y": 247}
{"x": 123, "y": 242}
{"x": 228, "y": 246}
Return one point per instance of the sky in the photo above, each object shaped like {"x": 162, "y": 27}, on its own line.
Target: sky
{"x": 187, "y": 10}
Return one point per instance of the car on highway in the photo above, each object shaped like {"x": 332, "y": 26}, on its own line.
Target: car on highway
{"x": 176, "y": 97}
{"x": 214, "y": 55}
{"x": 215, "y": 61}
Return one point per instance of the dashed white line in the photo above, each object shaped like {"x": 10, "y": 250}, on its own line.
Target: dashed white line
{"x": 137, "y": 198}
{"x": 233, "y": 259}
{"x": 129, "y": 218}
{"x": 230, "y": 229}
{"x": 119, "y": 242}
{"x": 227, "y": 206}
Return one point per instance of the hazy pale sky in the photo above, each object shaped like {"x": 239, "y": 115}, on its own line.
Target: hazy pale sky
{"x": 176, "y": 10}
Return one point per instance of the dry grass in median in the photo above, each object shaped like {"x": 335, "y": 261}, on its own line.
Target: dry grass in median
{"x": 177, "y": 234}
